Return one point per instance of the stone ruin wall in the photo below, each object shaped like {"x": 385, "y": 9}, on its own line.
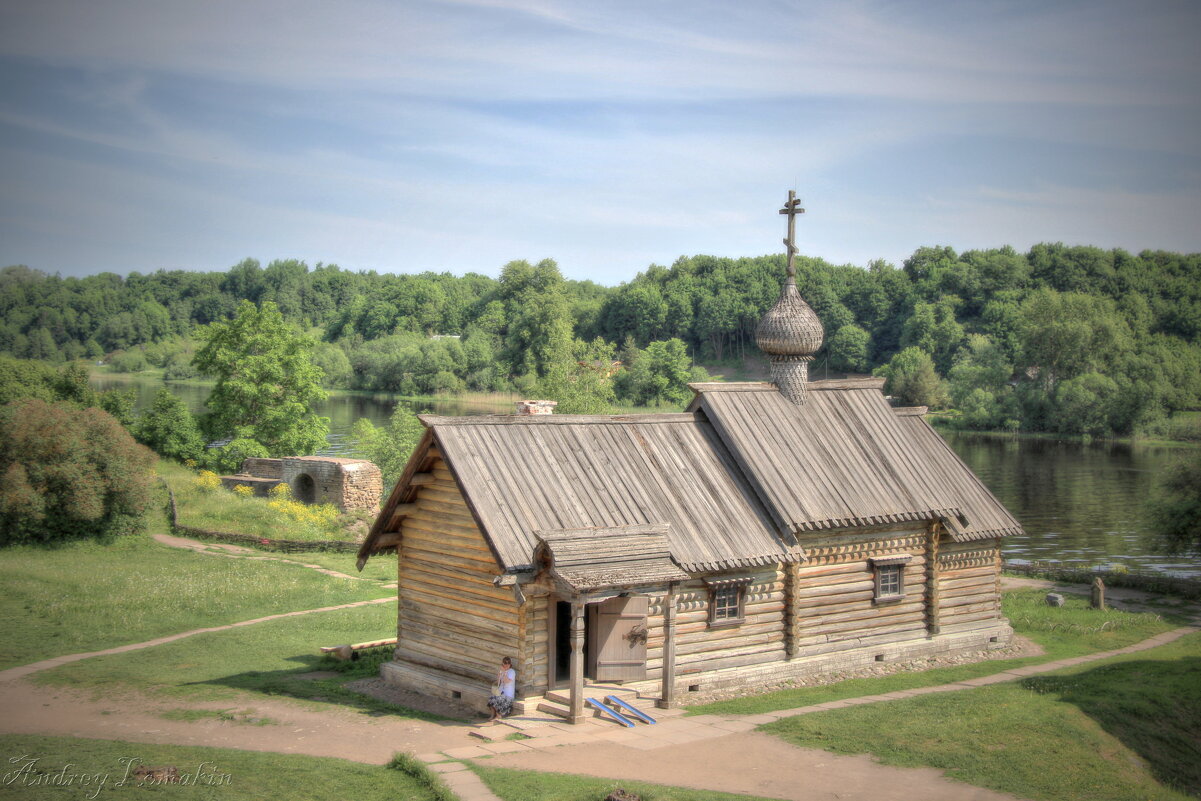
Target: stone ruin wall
{"x": 349, "y": 484}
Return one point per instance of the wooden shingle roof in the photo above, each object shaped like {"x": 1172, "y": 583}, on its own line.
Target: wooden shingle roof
{"x": 846, "y": 458}
{"x": 525, "y": 474}
{"x": 733, "y": 483}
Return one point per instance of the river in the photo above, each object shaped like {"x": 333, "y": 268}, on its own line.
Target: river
{"x": 1080, "y": 504}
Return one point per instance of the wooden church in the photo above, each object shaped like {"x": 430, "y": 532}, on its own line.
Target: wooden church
{"x": 771, "y": 531}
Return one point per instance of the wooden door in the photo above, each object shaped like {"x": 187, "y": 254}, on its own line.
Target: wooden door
{"x": 621, "y": 636}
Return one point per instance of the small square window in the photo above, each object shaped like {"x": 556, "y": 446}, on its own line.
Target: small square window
{"x": 727, "y": 601}
{"x": 890, "y": 578}
{"x": 888, "y": 581}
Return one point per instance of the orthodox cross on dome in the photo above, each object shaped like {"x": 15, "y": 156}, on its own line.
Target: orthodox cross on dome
{"x": 792, "y": 208}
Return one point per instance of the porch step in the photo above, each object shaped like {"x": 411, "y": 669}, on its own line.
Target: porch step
{"x": 563, "y": 696}
{"x": 558, "y": 702}
{"x": 554, "y": 708}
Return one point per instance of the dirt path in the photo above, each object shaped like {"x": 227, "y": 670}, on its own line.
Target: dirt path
{"x": 754, "y": 764}
{"x": 240, "y": 552}
{"x": 296, "y": 728}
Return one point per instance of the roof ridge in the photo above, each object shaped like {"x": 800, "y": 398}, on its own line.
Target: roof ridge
{"x": 866, "y": 382}
{"x": 653, "y": 418}
{"x": 731, "y": 386}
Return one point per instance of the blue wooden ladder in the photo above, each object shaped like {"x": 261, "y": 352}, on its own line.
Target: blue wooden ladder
{"x": 613, "y": 713}
{"x": 613, "y": 699}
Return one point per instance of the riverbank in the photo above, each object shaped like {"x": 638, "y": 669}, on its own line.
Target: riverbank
{"x": 1187, "y": 432}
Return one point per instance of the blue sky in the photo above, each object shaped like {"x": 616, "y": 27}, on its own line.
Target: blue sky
{"x": 411, "y": 136}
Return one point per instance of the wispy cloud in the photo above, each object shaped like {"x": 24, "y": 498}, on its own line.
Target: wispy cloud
{"x": 457, "y": 135}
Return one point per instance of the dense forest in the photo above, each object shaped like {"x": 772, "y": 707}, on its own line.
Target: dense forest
{"x": 1065, "y": 339}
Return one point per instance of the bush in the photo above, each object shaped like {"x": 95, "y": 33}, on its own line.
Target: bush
{"x": 128, "y": 361}
{"x": 169, "y": 429}
{"x": 912, "y": 379}
{"x": 229, "y": 458}
{"x": 208, "y": 481}
{"x": 69, "y": 474}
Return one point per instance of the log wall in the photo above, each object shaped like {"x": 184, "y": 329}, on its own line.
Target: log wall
{"x": 834, "y": 595}
{"x": 759, "y": 639}
{"x": 969, "y": 576}
{"x": 451, "y": 617}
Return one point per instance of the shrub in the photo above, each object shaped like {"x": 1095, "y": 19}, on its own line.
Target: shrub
{"x": 69, "y": 474}
{"x": 208, "y": 481}
{"x": 321, "y": 516}
{"x": 169, "y": 429}
{"x": 229, "y": 458}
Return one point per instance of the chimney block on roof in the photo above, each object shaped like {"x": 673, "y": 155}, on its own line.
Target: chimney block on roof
{"x": 536, "y": 406}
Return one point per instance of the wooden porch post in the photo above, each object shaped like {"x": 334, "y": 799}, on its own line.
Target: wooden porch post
{"x": 792, "y": 619}
{"x": 577, "y": 663}
{"x": 933, "y": 627}
{"x": 667, "y": 693}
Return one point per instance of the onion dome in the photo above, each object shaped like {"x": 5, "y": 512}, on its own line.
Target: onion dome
{"x": 790, "y": 329}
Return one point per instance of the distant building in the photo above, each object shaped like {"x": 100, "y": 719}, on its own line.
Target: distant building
{"x": 346, "y": 483}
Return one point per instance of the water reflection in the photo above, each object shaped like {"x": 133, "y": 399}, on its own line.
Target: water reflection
{"x": 1079, "y": 504}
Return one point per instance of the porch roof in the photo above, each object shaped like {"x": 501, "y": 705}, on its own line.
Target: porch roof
{"x": 588, "y": 559}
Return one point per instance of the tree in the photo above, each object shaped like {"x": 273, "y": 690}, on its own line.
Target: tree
{"x": 266, "y": 385}
{"x": 848, "y": 349}
{"x": 1085, "y": 405}
{"x": 69, "y": 474}
{"x": 979, "y": 385}
{"x": 389, "y": 446}
{"x": 537, "y": 315}
{"x": 659, "y": 375}
{"x": 912, "y": 379}
{"x": 1175, "y": 506}
{"x": 1068, "y": 334}
{"x": 585, "y": 385}
{"x": 169, "y": 429}
{"x": 933, "y": 328}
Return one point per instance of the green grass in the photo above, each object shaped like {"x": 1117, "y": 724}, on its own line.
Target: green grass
{"x": 378, "y": 568}
{"x": 86, "y": 596}
{"x": 252, "y": 775}
{"x": 1124, "y": 728}
{"x": 528, "y": 785}
{"x": 231, "y": 715}
{"x": 416, "y": 769}
{"x": 1072, "y": 630}
{"x": 266, "y": 659}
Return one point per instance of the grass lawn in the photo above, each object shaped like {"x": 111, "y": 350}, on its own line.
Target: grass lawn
{"x": 378, "y": 568}
{"x": 528, "y": 785}
{"x": 87, "y": 596}
{"x": 1125, "y": 728}
{"x": 1074, "y": 629}
{"x": 265, "y": 659}
{"x": 213, "y": 773}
